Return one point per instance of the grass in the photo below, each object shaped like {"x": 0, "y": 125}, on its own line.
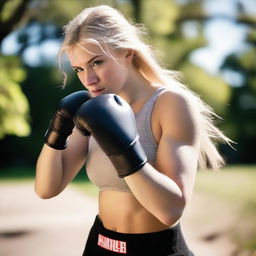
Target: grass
{"x": 17, "y": 174}
{"x": 27, "y": 174}
{"x": 234, "y": 184}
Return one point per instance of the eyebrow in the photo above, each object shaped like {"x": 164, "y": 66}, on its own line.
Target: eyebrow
{"x": 92, "y": 59}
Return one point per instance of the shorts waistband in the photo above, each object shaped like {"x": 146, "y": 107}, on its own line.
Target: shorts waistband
{"x": 105, "y": 242}
{"x": 163, "y": 237}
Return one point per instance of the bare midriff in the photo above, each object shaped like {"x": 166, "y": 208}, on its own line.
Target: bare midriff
{"x": 121, "y": 212}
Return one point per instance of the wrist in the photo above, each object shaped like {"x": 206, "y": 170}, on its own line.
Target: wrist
{"x": 59, "y": 130}
{"x": 129, "y": 161}
{"x": 55, "y": 140}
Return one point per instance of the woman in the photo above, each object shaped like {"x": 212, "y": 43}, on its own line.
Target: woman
{"x": 141, "y": 198}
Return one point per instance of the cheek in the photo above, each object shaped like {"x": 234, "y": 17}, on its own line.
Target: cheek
{"x": 115, "y": 74}
{"x": 80, "y": 77}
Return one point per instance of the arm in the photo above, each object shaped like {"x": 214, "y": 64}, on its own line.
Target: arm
{"x": 64, "y": 151}
{"x": 166, "y": 189}
{"x": 56, "y": 168}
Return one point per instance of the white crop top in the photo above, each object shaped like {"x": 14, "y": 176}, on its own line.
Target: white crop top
{"x": 99, "y": 168}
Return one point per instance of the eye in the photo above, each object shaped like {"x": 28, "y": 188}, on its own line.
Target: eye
{"x": 78, "y": 70}
{"x": 97, "y": 63}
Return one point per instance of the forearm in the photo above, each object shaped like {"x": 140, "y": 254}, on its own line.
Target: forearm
{"x": 64, "y": 150}
{"x": 49, "y": 172}
{"x": 159, "y": 194}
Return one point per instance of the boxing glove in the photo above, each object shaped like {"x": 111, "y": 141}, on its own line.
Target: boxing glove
{"x": 111, "y": 121}
{"x": 61, "y": 125}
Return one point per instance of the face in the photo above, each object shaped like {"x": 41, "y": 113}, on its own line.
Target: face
{"x": 99, "y": 72}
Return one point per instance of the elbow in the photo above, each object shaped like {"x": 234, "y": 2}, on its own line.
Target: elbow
{"x": 170, "y": 218}
{"x": 172, "y": 215}
{"x": 44, "y": 194}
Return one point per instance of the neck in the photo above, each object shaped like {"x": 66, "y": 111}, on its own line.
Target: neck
{"x": 136, "y": 88}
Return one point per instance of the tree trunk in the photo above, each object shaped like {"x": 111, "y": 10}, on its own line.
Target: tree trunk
{"x": 7, "y": 26}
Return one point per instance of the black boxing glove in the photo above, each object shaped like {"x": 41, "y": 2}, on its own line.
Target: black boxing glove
{"x": 61, "y": 125}
{"x": 111, "y": 121}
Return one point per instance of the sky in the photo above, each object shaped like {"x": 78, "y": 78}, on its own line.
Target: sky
{"x": 223, "y": 35}
{"x": 224, "y": 38}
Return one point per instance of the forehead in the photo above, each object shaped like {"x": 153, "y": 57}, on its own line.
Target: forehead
{"x": 84, "y": 52}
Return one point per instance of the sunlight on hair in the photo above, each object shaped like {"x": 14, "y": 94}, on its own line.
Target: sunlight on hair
{"x": 108, "y": 28}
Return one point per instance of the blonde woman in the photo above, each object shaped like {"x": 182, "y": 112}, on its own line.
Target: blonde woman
{"x": 141, "y": 133}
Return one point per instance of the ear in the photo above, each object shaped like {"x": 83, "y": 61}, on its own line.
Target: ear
{"x": 129, "y": 55}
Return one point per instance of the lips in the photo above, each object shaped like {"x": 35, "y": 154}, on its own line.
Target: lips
{"x": 97, "y": 91}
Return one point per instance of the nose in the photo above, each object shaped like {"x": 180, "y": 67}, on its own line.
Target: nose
{"x": 89, "y": 77}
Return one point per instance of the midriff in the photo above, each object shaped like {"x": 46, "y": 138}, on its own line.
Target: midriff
{"x": 121, "y": 212}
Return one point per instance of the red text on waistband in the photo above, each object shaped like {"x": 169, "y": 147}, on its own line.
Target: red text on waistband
{"x": 112, "y": 244}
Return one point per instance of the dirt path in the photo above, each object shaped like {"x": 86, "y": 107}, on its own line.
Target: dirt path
{"x": 30, "y": 226}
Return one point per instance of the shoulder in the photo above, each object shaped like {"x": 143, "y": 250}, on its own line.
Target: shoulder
{"x": 178, "y": 116}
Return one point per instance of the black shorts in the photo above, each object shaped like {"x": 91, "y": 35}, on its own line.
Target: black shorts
{"x": 103, "y": 242}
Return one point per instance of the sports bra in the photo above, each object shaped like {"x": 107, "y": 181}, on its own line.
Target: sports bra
{"x": 99, "y": 168}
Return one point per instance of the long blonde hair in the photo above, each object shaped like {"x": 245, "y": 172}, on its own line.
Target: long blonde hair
{"x": 106, "y": 25}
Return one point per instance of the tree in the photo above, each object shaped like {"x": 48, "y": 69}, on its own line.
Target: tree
{"x": 242, "y": 114}
{"x": 13, "y": 104}
{"x": 166, "y": 21}
{"x": 11, "y": 13}
{"x": 14, "y": 109}
{"x": 166, "y": 25}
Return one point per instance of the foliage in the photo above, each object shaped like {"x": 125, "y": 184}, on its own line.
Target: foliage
{"x": 167, "y": 22}
{"x": 212, "y": 89}
{"x": 14, "y": 109}
{"x": 162, "y": 20}
{"x": 12, "y": 13}
{"x": 243, "y": 100}
{"x": 43, "y": 94}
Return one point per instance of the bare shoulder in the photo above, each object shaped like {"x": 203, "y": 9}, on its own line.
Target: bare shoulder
{"x": 178, "y": 116}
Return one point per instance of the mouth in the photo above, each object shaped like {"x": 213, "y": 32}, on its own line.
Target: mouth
{"x": 97, "y": 92}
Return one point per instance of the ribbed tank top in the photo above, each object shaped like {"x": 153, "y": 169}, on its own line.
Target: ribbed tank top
{"x": 99, "y": 168}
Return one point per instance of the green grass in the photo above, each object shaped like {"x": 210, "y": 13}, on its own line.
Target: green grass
{"x": 233, "y": 183}
{"x": 27, "y": 174}
{"x": 236, "y": 184}
{"x": 17, "y": 174}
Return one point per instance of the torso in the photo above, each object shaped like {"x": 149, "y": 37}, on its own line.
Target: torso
{"x": 119, "y": 210}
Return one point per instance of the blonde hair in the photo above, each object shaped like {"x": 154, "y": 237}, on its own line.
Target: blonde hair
{"x": 107, "y": 26}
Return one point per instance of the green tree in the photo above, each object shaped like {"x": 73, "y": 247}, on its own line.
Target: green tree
{"x": 242, "y": 114}
{"x": 14, "y": 110}
{"x": 14, "y": 107}
{"x": 12, "y": 12}
{"x": 166, "y": 21}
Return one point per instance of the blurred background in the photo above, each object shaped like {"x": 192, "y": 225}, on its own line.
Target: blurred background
{"x": 212, "y": 42}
